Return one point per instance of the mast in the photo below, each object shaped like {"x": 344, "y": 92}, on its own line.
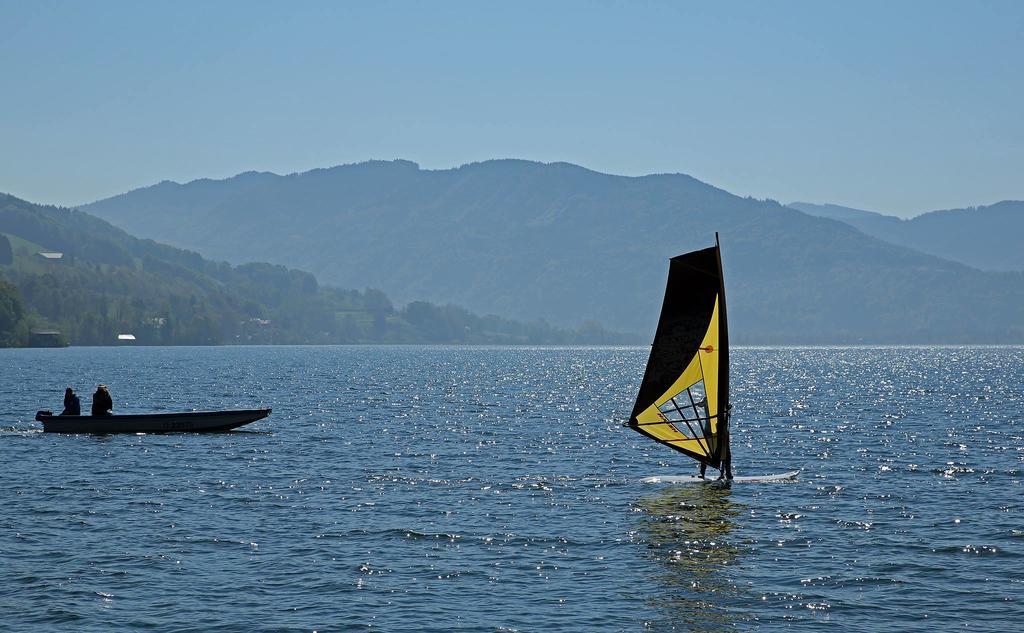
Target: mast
{"x": 725, "y": 450}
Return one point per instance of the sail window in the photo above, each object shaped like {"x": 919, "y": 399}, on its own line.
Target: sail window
{"x": 689, "y": 408}
{"x": 687, "y": 412}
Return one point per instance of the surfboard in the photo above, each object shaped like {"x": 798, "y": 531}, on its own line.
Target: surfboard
{"x": 695, "y": 479}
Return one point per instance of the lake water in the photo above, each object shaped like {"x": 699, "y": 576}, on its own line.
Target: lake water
{"x": 493, "y": 489}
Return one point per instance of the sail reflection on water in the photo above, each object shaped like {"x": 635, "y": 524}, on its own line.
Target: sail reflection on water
{"x": 689, "y": 530}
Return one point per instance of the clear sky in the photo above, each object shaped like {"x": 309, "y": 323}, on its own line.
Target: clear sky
{"x": 899, "y": 107}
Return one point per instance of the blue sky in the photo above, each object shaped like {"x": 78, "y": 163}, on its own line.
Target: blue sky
{"x": 900, "y": 107}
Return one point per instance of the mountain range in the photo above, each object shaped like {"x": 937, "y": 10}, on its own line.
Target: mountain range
{"x": 985, "y": 237}
{"x": 557, "y": 241}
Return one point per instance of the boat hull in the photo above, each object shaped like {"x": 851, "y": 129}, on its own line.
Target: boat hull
{"x": 185, "y": 422}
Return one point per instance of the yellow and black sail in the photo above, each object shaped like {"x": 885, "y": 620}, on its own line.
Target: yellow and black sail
{"x": 684, "y": 397}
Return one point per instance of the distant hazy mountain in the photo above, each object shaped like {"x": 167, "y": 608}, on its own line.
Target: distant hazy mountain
{"x": 97, "y": 282}
{"x": 558, "y": 241}
{"x": 989, "y": 238}
{"x": 836, "y": 212}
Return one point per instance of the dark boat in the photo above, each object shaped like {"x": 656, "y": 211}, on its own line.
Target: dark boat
{"x": 185, "y": 422}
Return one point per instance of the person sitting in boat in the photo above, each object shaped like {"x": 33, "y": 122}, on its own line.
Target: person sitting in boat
{"x": 72, "y": 405}
{"x": 101, "y": 402}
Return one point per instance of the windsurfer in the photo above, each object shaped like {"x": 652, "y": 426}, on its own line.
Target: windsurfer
{"x": 691, "y": 346}
{"x": 705, "y": 425}
{"x": 726, "y": 450}
{"x": 725, "y": 470}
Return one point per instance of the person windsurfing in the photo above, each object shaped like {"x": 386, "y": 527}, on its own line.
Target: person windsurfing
{"x": 725, "y": 469}
{"x": 705, "y": 424}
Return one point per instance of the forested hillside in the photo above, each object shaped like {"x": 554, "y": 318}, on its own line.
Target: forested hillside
{"x": 106, "y": 283}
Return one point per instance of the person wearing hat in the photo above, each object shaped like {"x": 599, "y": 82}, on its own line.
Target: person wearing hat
{"x": 101, "y": 402}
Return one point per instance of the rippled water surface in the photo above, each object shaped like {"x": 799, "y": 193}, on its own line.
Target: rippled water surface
{"x": 493, "y": 489}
